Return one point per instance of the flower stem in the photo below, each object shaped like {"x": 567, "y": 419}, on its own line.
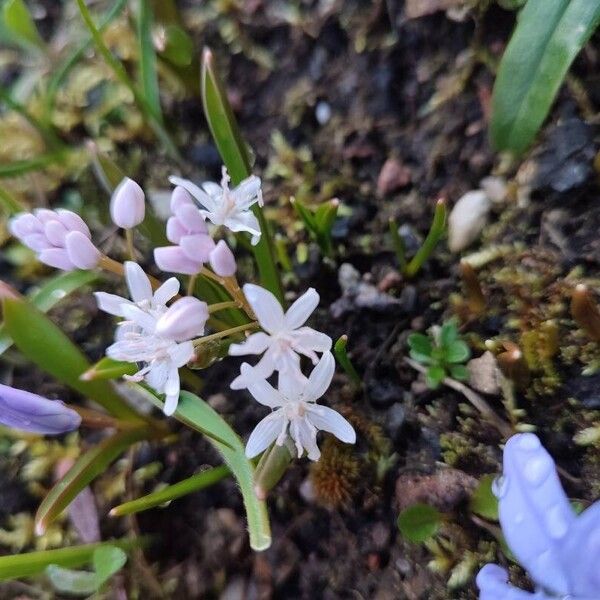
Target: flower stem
{"x": 226, "y": 333}
{"x": 191, "y": 286}
{"x": 233, "y": 287}
{"x": 130, "y": 246}
{"x": 222, "y": 306}
{"x": 112, "y": 266}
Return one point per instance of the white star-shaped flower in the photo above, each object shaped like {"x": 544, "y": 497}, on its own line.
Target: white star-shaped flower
{"x": 295, "y": 412}
{"x": 285, "y": 338}
{"x": 136, "y": 339}
{"x": 140, "y": 290}
{"x": 223, "y": 206}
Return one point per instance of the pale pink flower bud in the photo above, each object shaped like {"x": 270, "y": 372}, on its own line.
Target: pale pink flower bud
{"x": 173, "y": 259}
{"x": 60, "y": 238}
{"x": 222, "y": 260}
{"x": 127, "y": 205}
{"x": 184, "y": 320}
{"x": 82, "y": 253}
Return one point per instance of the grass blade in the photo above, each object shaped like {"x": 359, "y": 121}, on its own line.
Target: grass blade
{"x": 234, "y": 152}
{"x": 198, "y": 415}
{"x": 148, "y": 72}
{"x": 16, "y": 566}
{"x": 44, "y": 344}
{"x": 18, "y": 21}
{"x": 548, "y": 37}
{"x": 86, "y": 468}
{"x": 192, "y": 484}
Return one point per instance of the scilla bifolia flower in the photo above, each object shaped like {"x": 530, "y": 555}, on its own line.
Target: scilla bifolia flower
{"x": 230, "y": 208}
{"x": 29, "y": 412}
{"x": 295, "y": 411}
{"x": 559, "y": 549}
{"x": 127, "y": 204}
{"x": 154, "y": 334}
{"x": 60, "y": 238}
{"x": 285, "y": 339}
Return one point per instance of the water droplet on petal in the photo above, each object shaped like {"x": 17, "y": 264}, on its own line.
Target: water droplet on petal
{"x": 536, "y": 470}
{"x": 529, "y": 441}
{"x": 500, "y": 486}
{"x": 556, "y": 523}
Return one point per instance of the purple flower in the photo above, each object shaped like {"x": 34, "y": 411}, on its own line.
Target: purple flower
{"x": 559, "y": 549}
{"x": 29, "y": 412}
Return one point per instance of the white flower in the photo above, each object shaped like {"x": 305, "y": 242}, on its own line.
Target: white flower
{"x": 137, "y": 339}
{"x": 230, "y": 208}
{"x": 141, "y": 294}
{"x": 295, "y": 412}
{"x": 285, "y": 338}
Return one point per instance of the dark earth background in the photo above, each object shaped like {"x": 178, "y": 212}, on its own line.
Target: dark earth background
{"x": 386, "y": 109}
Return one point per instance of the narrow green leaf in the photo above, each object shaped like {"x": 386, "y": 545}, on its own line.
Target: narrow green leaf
{"x": 179, "y": 46}
{"x": 16, "y": 566}
{"x": 167, "y": 494}
{"x": 307, "y": 217}
{"x": 86, "y": 468}
{"x": 108, "y": 368}
{"x": 548, "y": 37}
{"x": 234, "y": 152}
{"x": 419, "y": 522}
{"x": 436, "y": 231}
{"x": 49, "y": 294}
{"x": 198, "y": 415}
{"x": 398, "y": 244}
{"x": 9, "y": 204}
{"x": 341, "y": 354}
{"x": 44, "y": 344}
{"x": 107, "y": 561}
{"x": 149, "y": 75}
{"x": 74, "y": 583}
{"x": 19, "y": 22}
{"x": 20, "y": 167}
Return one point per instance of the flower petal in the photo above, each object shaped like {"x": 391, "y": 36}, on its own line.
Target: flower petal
{"x": 57, "y": 258}
{"x": 492, "y": 582}
{"x": 261, "y": 389}
{"x": 264, "y": 434}
{"x": 261, "y": 370}
{"x": 243, "y": 221}
{"x": 247, "y": 192}
{"x": 173, "y": 260}
{"x": 139, "y": 316}
{"x": 255, "y": 343}
{"x": 320, "y": 378}
{"x": 307, "y": 340}
{"x": 266, "y": 307}
{"x": 111, "y": 303}
{"x": 534, "y": 511}
{"x": 166, "y": 291}
{"x": 581, "y": 551}
{"x": 199, "y": 194}
{"x": 175, "y": 230}
{"x": 327, "y": 419}
{"x": 137, "y": 282}
{"x": 301, "y": 309}
{"x": 197, "y": 247}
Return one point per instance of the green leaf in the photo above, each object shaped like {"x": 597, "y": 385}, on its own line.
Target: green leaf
{"x": 548, "y": 37}
{"x": 86, "y": 468}
{"x": 341, "y": 355}
{"x": 107, "y": 561}
{"x": 16, "y": 566}
{"x": 234, "y": 152}
{"x": 20, "y": 167}
{"x": 44, "y": 344}
{"x": 19, "y": 22}
{"x": 448, "y": 333}
{"x": 149, "y": 75}
{"x": 179, "y": 46}
{"x": 169, "y": 493}
{"x": 434, "y": 376}
{"x": 419, "y": 522}
{"x": 49, "y": 294}
{"x": 109, "y": 368}
{"x": 307, "y": 217}
{"x": 457, "y": 352}
{"x": 74, "y": 583}
{"x": 421, "y": 344}
{"x": 197, "y": 414}
{"x": 459, "y": 372}
{"x": 483, "y": 502}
